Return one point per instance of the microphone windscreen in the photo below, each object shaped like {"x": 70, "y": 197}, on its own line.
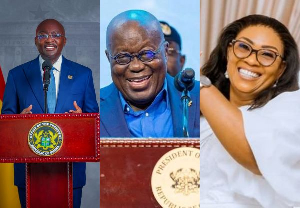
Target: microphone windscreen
{"x": 47, "y": 64}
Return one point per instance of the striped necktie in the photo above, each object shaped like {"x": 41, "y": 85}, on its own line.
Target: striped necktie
{"x": 51, "y": 96}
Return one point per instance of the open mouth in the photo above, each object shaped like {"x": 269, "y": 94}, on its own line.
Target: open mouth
{"x": 248, "y": 74}
{"x": 139, "y": 79}
{"x": 50, "y": 47}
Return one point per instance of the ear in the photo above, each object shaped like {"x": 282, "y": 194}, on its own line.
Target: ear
{"x": 166, "y": 50}
{"x": 281, "y": 69}
{"x": 107, "y": 55}
{"x": 65, "y": 41}
{"x": 182, "y": 61}
{"x": 36, "y": 41}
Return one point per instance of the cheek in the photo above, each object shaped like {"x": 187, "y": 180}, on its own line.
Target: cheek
{"x": 117, "y": 70}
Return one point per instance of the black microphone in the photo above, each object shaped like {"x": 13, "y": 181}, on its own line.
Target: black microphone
{"x": 185, "y": 79}
{"x": 46, "y": 66}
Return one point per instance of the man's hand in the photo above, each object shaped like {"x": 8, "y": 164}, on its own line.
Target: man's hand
{"x": 27, "y": 110}
{"x": 77, "y": 108}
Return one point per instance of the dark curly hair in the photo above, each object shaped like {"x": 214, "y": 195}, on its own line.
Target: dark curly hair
{"x": 215, "y": 67}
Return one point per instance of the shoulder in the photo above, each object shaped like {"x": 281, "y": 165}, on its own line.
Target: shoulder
{"x": 74, "y": 65}
{"x": 25, "y": 65}
{"x": 107, "y": 91}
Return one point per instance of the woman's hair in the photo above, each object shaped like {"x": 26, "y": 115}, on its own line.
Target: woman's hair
{"x": 216, "y": 66}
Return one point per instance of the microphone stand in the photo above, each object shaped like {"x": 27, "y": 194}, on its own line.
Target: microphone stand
{"x": 185, "y": 98}
{"x": 45, "y": 97}
{"x": 184, "y": 82}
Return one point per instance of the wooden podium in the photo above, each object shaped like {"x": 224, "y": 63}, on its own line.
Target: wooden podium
{"x": 126, "y": 167}
{"x": 48, "y": 144}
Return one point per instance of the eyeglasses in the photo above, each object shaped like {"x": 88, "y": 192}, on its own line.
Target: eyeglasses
{"x": 172, "y": 51}
{"x": 143, "y": 56}
{"x": 243, "y": 50}
{"x": 46, "y": 36}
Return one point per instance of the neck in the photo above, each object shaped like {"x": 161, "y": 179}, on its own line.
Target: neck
{"x": 239, "y": 99}
{"x": 138, "y": 107}
{"x": 52, "y": 60}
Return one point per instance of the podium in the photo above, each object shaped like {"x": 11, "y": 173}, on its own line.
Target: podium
{"x": 127, "y": 168}
{"x": 48, "y": 144}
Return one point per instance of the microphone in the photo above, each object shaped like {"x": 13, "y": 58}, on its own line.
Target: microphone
{"x": 185, "y": 79}
{"x": 46, "y": 66}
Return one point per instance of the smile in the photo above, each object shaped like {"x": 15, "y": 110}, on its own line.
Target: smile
{"x": 139, "y": 79}
{"x": 50, "y": 47}
{"x": 248, "y": 74}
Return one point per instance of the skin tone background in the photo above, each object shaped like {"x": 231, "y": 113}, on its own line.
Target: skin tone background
{"x": 18, "y": 22}
{"x": 181, "y": 15}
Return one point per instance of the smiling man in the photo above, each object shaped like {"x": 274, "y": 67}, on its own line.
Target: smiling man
{"x": 73, "y": 92}
{"x": 142, "y": 100}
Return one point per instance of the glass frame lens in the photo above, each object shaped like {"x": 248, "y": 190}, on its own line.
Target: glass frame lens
{"x": 139, "y": 55}
{"x": 263, "y": 56}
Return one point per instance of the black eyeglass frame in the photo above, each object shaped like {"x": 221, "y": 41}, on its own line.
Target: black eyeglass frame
{"x": 138, "y": 55}
{"x": 255, "y": 51}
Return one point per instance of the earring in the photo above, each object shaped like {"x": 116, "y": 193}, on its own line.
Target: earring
{"x": 275, "y": 84}
{"x": 226, "y": 74}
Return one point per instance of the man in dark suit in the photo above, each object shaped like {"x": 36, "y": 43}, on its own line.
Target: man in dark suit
{"x": 74, "y": 92}
{"x": 142, "y": 100}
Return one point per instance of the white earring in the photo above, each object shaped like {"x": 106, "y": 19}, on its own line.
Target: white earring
{"x": 226, "y": 74}
{"x": 275, "y": 84}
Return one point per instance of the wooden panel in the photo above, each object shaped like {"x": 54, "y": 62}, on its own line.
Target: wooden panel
{"x": 80, "y": 137}
{"x": 126, "y": 167}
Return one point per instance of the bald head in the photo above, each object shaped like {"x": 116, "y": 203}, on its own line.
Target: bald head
{"x": 51, "y": 22}
{"x": 131, "y": 20}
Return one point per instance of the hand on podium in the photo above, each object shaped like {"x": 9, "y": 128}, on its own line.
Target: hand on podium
{"x": 77, "y": 108}
{"x": 27, "y": 110}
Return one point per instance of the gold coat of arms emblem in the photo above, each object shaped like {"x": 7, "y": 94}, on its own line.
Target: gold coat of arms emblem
{"x": 45, "y": 138}
{"x": 175, "y": 178}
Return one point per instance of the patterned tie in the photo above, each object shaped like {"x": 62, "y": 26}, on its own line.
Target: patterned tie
{"x": 51, "y": 96}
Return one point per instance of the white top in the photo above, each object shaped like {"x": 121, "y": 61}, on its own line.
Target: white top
{"x": 56, "y": 73}
{"x": 273, "y": 133}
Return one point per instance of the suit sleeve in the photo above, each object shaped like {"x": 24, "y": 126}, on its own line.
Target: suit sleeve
{"x": 10, "y": 99}
{"x": 90, "y": 103}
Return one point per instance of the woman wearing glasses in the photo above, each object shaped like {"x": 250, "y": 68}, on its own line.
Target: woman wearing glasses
{"x": 250, "y": 107}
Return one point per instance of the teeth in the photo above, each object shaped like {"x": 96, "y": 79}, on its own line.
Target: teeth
{"x": 138, "y": 79}
{"x": 248, "y": 73}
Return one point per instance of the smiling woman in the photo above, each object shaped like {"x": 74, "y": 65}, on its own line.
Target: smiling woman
{"x": 248, "y": 117}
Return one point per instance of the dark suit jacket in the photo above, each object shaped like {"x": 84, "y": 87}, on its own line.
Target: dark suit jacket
{"x": 24, "y": 87}
{"x": 113, "y": 123}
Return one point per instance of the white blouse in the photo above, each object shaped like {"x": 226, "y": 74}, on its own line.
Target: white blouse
{"x": 273, "y": 133}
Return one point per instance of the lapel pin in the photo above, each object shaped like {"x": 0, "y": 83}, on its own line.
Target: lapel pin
{"x": 70, "y": 77}
{"x": 190, "y": 103}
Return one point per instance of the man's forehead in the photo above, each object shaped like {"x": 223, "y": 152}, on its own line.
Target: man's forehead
{"x": 47, "y": 26}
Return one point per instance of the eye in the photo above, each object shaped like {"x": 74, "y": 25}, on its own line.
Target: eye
{"x": 147, "y": 55}
{"x": 42, "y": 36}
{"x": 243, "y": 46}
{"x": 56, "y": 35}
{"x": 267, "y": 54}
{"x": 123, "y": 58}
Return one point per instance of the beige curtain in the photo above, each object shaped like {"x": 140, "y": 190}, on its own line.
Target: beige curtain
{"x": 216, "y": 14}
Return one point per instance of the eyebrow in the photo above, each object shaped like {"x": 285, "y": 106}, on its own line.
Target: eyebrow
{"x": 263, "y": 46}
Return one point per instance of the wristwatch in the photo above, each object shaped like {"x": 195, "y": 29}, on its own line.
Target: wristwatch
{"x": 204, "y": 81}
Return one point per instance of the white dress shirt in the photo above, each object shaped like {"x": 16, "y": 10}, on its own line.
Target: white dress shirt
{"x": 57, "y": 66}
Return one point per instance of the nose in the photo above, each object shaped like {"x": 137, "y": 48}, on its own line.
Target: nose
{"x": 136, "y": 65}
{"x": 252, "y": 58}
